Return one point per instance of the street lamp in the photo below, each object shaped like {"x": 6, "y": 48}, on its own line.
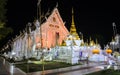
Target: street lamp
{"x": 39, "y": 12}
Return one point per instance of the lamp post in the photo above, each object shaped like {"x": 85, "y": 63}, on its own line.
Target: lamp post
{"x": 113, "y": 46}
{"x": 28, "y": 30}
{"x": 39, "y": 13}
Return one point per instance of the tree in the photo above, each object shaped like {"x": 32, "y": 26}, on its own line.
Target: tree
{"x": 2, "y": 11}
{"x": 4, "y": 31}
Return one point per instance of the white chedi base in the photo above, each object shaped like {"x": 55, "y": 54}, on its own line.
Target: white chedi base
{"x": 78, "y": 42}
{"x": 68, "y": 54}
{"x": 97, "y": 57}
{"x": 73, "y": 60}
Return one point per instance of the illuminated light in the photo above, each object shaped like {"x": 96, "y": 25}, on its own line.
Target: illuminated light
{"x": 37, "y": 62}
{"x": 56, "y": 26}
{"x": 96, "y": 51}
{"x": 109, "y": 51}
{"x": 51, "y": 25}
{"x": 54, "y": 19}
{"x": 11, "y": 69}
{"x": 91, "y": 43}
{"x": 13, "y": 53}
{"x": 38, "y": 45}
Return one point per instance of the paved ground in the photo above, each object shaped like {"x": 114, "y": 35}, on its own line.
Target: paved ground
{"x": 8, "y": 69}
{"x": 3, "y": 71}
{"x": 75, "y": 70}
{"x": 79, "y": 72}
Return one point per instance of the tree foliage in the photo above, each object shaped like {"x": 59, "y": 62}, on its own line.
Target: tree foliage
{"x": 3, "y": 10}
{"x": 4, "y": 31}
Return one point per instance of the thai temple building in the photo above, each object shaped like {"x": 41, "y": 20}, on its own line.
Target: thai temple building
{"x": 52, "y": 40}
{"x": 53, "y": 30}
{"x": 44, "y": 37}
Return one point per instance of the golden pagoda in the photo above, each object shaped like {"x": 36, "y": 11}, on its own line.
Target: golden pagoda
{"x": 73, "y": 28}
{"x": 92, "y": 43}
{"x": 86, "y": 43}
{"x": 82, "y": 43}
{"x": 96, "y": 43}
{"x": 63, "y": 43}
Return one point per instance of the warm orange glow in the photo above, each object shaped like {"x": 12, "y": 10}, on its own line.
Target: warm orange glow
{"x": 29, "y": 43}
{"x": 109, "y": 51}
{"x": 37, "y": 39}
{"x": 38, "y": 45}
{"x": 53, "y": 31}
{"x": 95, "y": 51}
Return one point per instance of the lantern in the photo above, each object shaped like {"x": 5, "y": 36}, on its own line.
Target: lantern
{"x": 95, "y": 51}
{"x": 109, "y": 51}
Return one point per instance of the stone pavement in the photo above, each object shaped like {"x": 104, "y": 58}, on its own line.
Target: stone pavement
{"x": 3, "y": 70}
{"x": 80, "y": 72}
{"x": 8, "y": 69}
{"x": 74, "y": 70}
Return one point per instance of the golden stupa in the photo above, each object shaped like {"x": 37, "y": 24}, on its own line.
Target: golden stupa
{"x": 73, "y": 31}
{"x": 82, "y": 43}
{"x": 96, "y": 43}
{"x": 63, "y": 43}
{"x": 92, "y": 43}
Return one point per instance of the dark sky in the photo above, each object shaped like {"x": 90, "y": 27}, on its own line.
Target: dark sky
{"x": 90, "y": 17}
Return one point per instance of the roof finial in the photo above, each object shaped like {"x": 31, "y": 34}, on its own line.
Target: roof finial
{"x": 72, "y": 10}
{"x": 56, "y": 4}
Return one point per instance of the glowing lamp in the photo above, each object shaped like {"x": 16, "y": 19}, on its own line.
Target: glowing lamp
{"x": 109, "y": 51}
{"x": 38, "y": 45}
{"x": 95, "y": 51}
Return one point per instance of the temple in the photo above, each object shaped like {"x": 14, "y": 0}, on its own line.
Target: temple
{"x": 53, "y": 30}
{"x": 52, "y": 41}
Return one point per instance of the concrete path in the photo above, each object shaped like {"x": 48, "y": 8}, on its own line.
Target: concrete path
{"x": 74, "y": 70}
{"x": 80, "y": 72}
{"x": 3, "y": 70}
{"x": 8, "y": 69}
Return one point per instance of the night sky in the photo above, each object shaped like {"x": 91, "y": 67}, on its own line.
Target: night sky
{"x": 91, "y": 18}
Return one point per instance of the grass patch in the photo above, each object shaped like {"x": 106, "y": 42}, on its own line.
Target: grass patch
{"x": 106, "y": 72}
{"x": 33, "y": 67}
